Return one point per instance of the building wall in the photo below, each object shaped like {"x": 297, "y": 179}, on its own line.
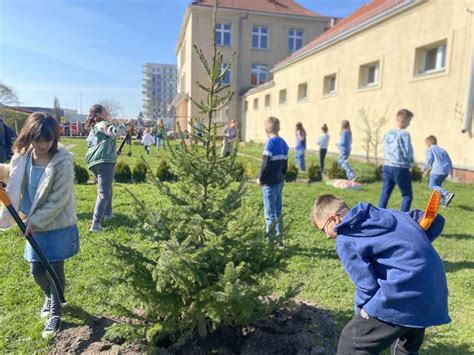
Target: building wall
{"x": 199, "y": 31}
{"x": 438, "y": 100}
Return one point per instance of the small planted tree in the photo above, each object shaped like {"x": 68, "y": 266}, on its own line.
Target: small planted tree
{"x": 206, "y": 254}
{"x": 373, "y": 134}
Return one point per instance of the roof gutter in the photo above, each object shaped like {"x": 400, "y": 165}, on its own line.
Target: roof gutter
{"x": 373, "y": 21}
{"x": 470, "y": 100}
{"x": 182, "y": 31}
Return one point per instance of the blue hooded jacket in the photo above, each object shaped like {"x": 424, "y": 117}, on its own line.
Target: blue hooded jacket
{"x": 399, "y": 276}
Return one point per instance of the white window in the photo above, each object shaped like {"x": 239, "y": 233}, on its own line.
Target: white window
{"x": 295, "y": 39}
{"x": 431, "y": 59}
{"x": 255, "y": 104}
{"x": 223, "y": 34}
{"x": 302, "y": 91}
{"x": 369, "y": 75}
{"x": 226, "y": 78}
{"x": 260, "y": 37}
{"x": 329, "y": 84}
{"x": 258, "y": 74}
{"x": 282, "y": 97}
{"x": 267, "y": 100}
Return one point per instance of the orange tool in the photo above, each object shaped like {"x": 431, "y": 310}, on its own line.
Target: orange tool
{"x": 431, "y": 210}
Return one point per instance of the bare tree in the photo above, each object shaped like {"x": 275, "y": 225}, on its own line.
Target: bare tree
{"x": 113, "y": 107}
{"x": 373, "y": 137}
{"x": 57, "y": 110}
{"x": 8, "y": 95}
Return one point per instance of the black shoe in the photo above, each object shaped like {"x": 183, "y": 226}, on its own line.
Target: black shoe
{"x": 46, "y": 308}
{"x": 52, "y": 326}
{"x": 449, "y": 197}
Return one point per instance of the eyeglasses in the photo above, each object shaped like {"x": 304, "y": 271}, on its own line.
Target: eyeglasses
{"x": 330, "y": 219}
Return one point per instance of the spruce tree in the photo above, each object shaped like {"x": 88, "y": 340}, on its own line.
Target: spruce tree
{"x": 206, "y": 256}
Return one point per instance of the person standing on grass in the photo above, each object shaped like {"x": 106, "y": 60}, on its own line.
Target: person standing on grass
{"x": 41, "y": 186}
{"x": 229, "y": 133}
{"x": 272, "y": 177}
{"x": 345, "y": 147}
{"x": 323, "y": 142}
{"x": 160, "y": 135}
{"x": 147, "y": 141}
{"x": 398, "y": 158}
{"x": 101, "y": 158}
{"x": 300, "y": 147}
{"x": 440, "y": 163}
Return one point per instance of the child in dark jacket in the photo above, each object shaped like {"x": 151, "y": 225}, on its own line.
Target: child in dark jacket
{"x": 400, "y": 281}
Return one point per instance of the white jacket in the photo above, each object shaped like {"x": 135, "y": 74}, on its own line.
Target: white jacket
{"x": 54, "y": 205}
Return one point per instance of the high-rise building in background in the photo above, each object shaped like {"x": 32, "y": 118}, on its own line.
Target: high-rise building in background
{"x": 158, "y": 90}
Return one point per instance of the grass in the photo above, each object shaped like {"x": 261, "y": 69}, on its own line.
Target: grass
{"x": 314, "y": 264}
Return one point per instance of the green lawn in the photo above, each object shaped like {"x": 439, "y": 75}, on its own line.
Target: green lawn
{"x": 314, "y": 263}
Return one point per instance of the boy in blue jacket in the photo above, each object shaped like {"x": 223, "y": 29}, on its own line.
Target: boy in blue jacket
{"x": 400, "y": 281}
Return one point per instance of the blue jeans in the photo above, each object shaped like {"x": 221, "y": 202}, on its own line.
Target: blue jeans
{"x": 272, "y": 206}
{"x": 402, "y": 178}
{"x": 159, "y": 141}
{"x": 435, "y": 183}
{"x": 300, "y": 161}
{"x": 343, "y": 162}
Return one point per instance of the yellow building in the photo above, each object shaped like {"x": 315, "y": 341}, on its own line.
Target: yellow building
{"x": 261, "y": 33}
{"x": 388, "y": 55}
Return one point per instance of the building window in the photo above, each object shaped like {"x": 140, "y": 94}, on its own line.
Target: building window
{"x": 329, "y": 87}
{"x": 260, "y": 37}
{"x": 226, "y": 78}
{"x": 369, "y": 75}
{"x": 246, "y": 106}
{"x": 295, "y": 39}
{"x": 282, "y": 97}
{"x": 255, "y": 104}
{"x": 258, "y": 74}
{"x": 223, "y": 34}
{"x": 302, "y": 91}
{"x": 431, "y": 58}
{"x": 267, "y": 100}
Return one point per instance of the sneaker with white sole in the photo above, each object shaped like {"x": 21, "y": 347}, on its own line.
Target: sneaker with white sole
{"x": 448, "y": 198}
{"x": 52, "y": 326}
{"x": 46, "y": 308}
{"x": 95, "y": 228}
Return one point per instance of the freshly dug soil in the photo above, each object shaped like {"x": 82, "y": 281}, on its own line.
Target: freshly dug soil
{"x": 302, "y": 330}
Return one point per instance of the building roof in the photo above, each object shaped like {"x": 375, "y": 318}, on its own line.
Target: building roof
{"x": 361, "y": 16}
{"x": 284, "y": 7}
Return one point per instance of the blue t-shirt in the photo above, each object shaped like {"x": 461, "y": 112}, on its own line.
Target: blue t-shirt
{"x": 439, "y": 161}
{"x": 274, "y": 162}
{"x": 397, "y": 148}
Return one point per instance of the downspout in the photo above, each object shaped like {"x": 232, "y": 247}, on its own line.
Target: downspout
{"x": 238, "y": 64}
{"x": 470, "y": 100}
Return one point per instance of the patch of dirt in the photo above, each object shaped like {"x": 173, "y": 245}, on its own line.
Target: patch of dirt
{"x": 301, "y": 330}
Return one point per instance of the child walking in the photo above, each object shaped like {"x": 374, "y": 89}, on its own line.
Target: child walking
{"x": 229, "y": 133}
{"x": 323, "y": 142}
{"x": 160, "y": 135}
{"x": 400, "y": 281}
{"x": 398, "y": 158}
{"x": 147, "y": 141}
{"x": 300, "y": 147}
{"x": 440, "y": 163}
{"x": 345, "y": 147}
{"x": 272, "y": 177}
{"x": 101, "y": 158}
{"x": 41, "y": 186}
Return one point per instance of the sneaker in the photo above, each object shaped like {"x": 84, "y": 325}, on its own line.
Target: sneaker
{"x": 46, "y": 308}
{"x": 52, "y": 326}
{"x": 448, "y": 198}
{"x": 108, "y": 217}
{"x": 95, "y": 228}
{"x": 281, "y": 245}
{"x": 354, "y": 179}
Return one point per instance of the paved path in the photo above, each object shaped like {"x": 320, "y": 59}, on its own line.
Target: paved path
{"x": 249, "y": 156}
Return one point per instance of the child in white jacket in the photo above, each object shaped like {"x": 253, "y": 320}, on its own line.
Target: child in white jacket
{"x": 40, "y": 182}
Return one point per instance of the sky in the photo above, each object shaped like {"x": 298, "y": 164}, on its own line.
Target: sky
{"x": 84, "y": 51}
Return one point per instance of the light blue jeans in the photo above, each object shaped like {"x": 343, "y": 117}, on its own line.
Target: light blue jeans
{"x": 272, "y": 204}
{"x": 344, "y": 163}
{"x": 435, "y": 183}
{"x": 300, "y": 160}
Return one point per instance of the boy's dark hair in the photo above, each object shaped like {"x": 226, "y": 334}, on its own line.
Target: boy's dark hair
{"x": 324, "y": 206}
{"x": 407, "y": 114}
{"x": 324, "y": 127}
{"x": 94, "y": 113}
{"x": 431, "y": 140}
{"x": 38, "y": 126}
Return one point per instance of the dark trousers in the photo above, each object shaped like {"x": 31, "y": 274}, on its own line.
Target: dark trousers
{"x": 44, "y": 281}
{"x": 322, "y": 157}
{"x": 402, "y": 178}
{"x": 368, "y": 335}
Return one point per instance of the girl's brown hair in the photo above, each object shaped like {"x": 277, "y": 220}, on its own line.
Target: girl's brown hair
{"x": 39, "y": 126}
{"x": 346, "y": 125}
{"x": 94, "y": 113}
{"x": 324, "y": 127}
{"x": 299, "y": 127}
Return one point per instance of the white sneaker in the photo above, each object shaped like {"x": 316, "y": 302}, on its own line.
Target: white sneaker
{"x": 46, "y": 308}
{"x": 52, "y": 326}
{"x": 95, "y": 228}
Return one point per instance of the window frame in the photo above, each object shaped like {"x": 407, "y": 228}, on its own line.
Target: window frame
{"x": 257, "y": 67}
{"x": 259, "y": 35}
{"x": 285, "y": 92}
{"x": 302, "y": 86}
{"x": 221, "y": 32}
{"x": 295, "y": 38}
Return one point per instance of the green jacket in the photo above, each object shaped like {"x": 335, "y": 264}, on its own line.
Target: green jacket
{"x": 102, "y": 144}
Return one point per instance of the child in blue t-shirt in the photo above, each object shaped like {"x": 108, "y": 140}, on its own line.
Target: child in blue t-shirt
{"x": 345, "y": 146}
{"x": 272, "y": 177}
{"x": 440, "y": 163}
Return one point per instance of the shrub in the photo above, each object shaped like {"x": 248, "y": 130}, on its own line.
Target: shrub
{"x": 250, "y": 171}
{"x": 314, "y": 173}
{"x": 139, "y": 172}
{"x": 378, "y": 173}
{"x": 416, "y": 174}
{"x": 81, "y": 174}
{"x": 123, "y": 173}
{"x": 239, "y": 171}
{"x": 336, "y": 172}
{"x": 292, "y": 173}
{"x": 164, "y": 173}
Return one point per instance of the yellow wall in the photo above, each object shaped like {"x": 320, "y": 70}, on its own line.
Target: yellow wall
{"x": 433, "y": 98}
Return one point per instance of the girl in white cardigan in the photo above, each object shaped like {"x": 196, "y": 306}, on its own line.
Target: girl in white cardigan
{"x": 40, "y": 181}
